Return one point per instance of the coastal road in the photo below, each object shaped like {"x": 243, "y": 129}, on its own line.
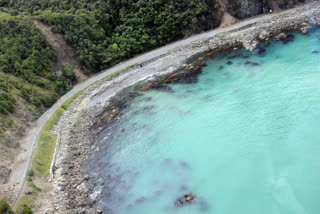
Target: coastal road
{"x": 29, "y": 142}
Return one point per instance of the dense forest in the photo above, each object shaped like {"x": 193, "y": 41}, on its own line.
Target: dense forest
{"x": 104, "y": 33}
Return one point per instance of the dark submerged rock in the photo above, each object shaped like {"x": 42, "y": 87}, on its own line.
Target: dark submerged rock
{"x": 140, "y": 200}
{"x": 233, "y": 56}
{"x": 261, "y": 51}
{"x": 185, "y": 165}
{"x": 147, "y": 99}
{"x": 156, "y": 85}
{"x": 189, "y": 75}
{"x": 229, "y": 63}
{"x": 288, "y": 39}
{"x": 133, "y": 95}
{"x": 146, "y": 87}
{"x": 164, "y": 88}
{"x": 252, "y": 63}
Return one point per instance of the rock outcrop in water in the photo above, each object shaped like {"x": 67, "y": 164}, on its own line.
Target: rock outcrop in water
{"x": 187, "y": 75}
{"x": 185, "y": 199}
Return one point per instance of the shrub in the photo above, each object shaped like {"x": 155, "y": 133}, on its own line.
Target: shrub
{"x": 25, "y": 210}
{"x": 31, "y": 173}
{"x": 5, "y": 207}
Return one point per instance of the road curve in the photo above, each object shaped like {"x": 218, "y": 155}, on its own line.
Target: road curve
{"x": 29, "y": 142}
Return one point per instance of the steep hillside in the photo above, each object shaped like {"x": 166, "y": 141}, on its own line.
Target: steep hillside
{"x": 28, "y": 85}
{"x": 247, "y": 8}
{"x": 285, "y": 4}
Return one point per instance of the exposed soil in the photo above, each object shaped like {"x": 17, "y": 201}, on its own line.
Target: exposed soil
{"x": 275, "y": 6}
{"x": 224, "y": 4}
{"x": 227, "y": 20}
{"x": 65, "y": 54}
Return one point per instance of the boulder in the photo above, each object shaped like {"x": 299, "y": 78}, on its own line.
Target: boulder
{"x": 264, "y": 35}
{"x": 250, "y": 45}
{"x": 304, "y": 28}
{"x": 281, "y": 35}
{"x": 4, "y": 174}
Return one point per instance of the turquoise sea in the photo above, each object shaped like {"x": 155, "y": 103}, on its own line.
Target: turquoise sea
{"x": 244, "y": 138}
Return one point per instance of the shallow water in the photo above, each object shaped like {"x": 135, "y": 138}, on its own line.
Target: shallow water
{"x": 245, "y": 139}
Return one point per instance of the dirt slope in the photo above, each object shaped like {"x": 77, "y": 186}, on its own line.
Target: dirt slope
{"x": 227, "y": 19}
{"x": 275, "y": 6}
{"x": 65, "y": 54}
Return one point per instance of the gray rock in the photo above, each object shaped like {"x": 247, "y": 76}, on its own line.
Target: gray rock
{"x": 4, "y": 174}
{"x": 250, "y": 45}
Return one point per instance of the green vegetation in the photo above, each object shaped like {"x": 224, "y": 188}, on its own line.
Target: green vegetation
{"x": 4, "y": 16}
{"x": 104, "y": 33}
{"x": 30, "y": 173}
{"x": 24, "y": 205}
{"x": 25, "y": 210}
{"x": 26, "y": 79}
{"x": 5, "y": 207}
{"x": 46, "y": 145}
{"x": 24, "y": 62}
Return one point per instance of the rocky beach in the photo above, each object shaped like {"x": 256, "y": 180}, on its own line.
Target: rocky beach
{"x": 100, "y": 104}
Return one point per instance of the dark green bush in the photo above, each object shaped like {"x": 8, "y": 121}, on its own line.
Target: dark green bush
{"x": 30, "y": 173}
{"x": 4, "y": 3}
{"x": 5, "y": 207}
{"x": 7, "y": 103}
{"x": 25, "y": 210}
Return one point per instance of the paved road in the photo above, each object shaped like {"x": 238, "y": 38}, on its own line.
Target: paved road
{"x": 30, "y": 141}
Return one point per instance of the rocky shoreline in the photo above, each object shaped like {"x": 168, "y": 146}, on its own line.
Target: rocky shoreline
{"x": 73, "y": 192}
